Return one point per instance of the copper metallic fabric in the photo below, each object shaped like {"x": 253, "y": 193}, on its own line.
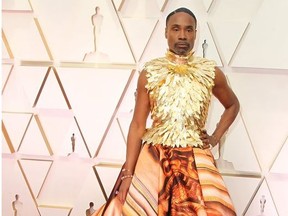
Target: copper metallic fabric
{"x": 174, "y": 182}
{"x": 173, "y": 175}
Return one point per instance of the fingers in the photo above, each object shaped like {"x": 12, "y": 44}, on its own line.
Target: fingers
{"x": 205, "y": 139}
{"x": 121, "y": 196}
{"x": 123, "y": 190}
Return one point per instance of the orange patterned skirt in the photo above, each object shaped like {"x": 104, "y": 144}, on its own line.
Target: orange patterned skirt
{"x": 172, "y": 181}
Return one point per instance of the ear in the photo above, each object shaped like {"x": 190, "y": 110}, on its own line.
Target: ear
{"x": 166, "y": 33}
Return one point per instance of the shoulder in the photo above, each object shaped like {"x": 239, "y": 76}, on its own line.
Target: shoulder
{"x": 205, "y": 66}
{"x": 153, "y": 67}
{"x": 204, "y": 69}
{"x": 204, "y": 62}
{"x": 154, "y": 64}
{"x": 219, "y": 76}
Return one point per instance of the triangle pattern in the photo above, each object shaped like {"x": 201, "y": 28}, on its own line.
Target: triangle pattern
{"x": 253, "y": 111}
{"x": 157, "y": 45}
{"x": 244, "y": 10}
{"x": 50, "y": 94}
{"x": 116, "y": 51}
{"x": 31, "y": 86}
{"x": 4, "y": 146}
{"x": 82, "y": 45}
{"x": 124, "y": 121}
{"x": 91, "y": 192}
{"x": 279, "y": 188}
{"x": 162, "y": 4}
{"x": 106, "y": 174}
{"x": 125, "y": 109}
{"x": 35, "y": 172}
{"x": 36, "y": 127}
{"x": 280, "y": 160}
{"x": 58, "y": 190}
{"x": 104, "y": 89}
{"x": 207, "y": 4}
{"x": 22, "y": 87}
{"x": 236, "y": 31}
{"x": 262, "y": 202}
{"x": 258, "y": 30}
{"x": 5, "y": 49}
{"x": 241, "y": 190}
{"x": 118, "y": 4}
{"x": 14, "y": 89}
{"x": 5, "y": 73}
{"x": 197, "y": 8}
{"x": 59, "y": 125}
{"x": 16, "y": 131}
{"x": 22, "y": 33}
{"x": 113, "y": 140}
{"x": 140, "y": 9}
{"x": 33, "y": 141}
{"x": 227, "y": 155}
{"x": 138, "y": 39}
{"x": 14, "y": 183}
{"x": 205, "y": 32}
{"x": 46, "y": 211}
{"x": 128, "y": 101}
{"x": 114, "y": 128}
{"x": 80, "y": 148}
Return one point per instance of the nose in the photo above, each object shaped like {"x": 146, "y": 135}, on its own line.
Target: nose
{"x": 182, "y": 35}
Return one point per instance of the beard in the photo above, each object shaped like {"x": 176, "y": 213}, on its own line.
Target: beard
{"x": 182, "y": 48}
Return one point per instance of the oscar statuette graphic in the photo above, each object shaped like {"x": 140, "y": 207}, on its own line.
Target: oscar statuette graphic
{"x": 73, "y": 140}
{"x": 262, "y": 205}
{"x": 96, "y": 56}
{"x": 17, "y": 206}
{"x": 204, "y": 48}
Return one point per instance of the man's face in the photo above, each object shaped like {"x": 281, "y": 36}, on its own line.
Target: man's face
{"x": 181, "y": 33}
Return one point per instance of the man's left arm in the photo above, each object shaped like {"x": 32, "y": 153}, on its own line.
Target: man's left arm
{"x": 229, "y": 100}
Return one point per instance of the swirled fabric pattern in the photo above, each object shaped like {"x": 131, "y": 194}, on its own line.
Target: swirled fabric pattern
{"x": 173, "y": 182}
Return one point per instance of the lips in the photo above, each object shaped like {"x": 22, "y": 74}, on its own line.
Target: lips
{"x": 182, "y": 45}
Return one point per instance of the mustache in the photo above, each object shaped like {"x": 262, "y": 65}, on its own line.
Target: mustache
{"x": 181, "y": 43}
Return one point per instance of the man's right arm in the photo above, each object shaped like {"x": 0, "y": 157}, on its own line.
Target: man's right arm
{"x": 136, "y": 131}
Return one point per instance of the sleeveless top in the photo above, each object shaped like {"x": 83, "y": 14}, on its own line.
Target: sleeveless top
{"x": 180, "y": 90}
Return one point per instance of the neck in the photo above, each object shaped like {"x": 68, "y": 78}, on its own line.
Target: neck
{"x": 178, "y": 59}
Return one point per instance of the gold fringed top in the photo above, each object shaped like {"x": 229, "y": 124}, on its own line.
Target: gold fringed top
{"x": 179, "y": 90}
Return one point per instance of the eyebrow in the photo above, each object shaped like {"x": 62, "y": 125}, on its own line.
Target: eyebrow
{"x": 178, "y": 25}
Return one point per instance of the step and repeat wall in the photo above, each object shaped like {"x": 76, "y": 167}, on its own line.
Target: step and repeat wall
{"x": 69, "y": 74}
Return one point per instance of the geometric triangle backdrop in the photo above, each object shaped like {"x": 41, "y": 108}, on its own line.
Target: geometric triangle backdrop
{"x": 61, "y": 77}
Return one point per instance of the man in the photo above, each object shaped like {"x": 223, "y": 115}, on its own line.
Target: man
{"x": 169, "y": 168}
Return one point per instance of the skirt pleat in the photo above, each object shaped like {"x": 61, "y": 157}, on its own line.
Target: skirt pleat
{"x": 172, "y": 181}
